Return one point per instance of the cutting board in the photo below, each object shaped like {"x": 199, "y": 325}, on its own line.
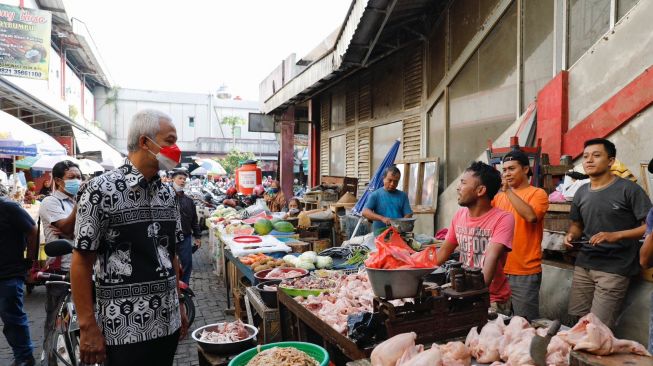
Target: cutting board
{"x": 585, "y": 359}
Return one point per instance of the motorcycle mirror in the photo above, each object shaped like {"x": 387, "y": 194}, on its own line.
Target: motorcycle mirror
{"x": 58, "y": 247}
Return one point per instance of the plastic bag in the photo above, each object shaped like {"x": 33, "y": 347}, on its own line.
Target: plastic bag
{"x": 392, "y": 252}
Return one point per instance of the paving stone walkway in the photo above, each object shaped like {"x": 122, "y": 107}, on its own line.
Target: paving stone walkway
{"x": 210, "y": 302}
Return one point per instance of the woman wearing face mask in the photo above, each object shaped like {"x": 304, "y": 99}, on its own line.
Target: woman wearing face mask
{"x": 274, "y": 198}
{"x": 54, "y": 211}
{"x": 294, "y": 207}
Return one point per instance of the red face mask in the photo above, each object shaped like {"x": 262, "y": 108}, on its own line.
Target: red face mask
{"x": 168, "y": 156}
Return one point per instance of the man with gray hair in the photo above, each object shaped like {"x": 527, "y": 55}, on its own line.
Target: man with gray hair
{"x": 387, "y": 203}
{"x": 126, "y": 229}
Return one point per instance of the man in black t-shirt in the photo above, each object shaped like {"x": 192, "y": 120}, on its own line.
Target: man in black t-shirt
{"x": 609, "y": 212}
{"x": 17, "y": 230}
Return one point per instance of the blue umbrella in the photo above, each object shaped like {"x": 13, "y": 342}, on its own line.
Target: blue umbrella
{"x": 376, "y": 182}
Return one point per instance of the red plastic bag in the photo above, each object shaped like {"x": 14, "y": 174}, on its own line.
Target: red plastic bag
{"x": 392, "y": 252}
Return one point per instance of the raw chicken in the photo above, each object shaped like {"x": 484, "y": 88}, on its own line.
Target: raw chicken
{"x": 488, "y": 342}
{"x": 353, "y": 295}
{"x": 430, "y": 357}
{"x": 455, "y": 354}
{"x": 519, "y": 352}
{"x": 391, "y": 350}
{"x": 557, "y": 352}
{"x": 592, "y": 336}
{"x": 409, "y": 353}
{"x": 512, "y": 335}
{"x": 471, "y": 342}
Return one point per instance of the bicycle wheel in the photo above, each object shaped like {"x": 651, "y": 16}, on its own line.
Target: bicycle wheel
{"x": 190, "y": 308}
{"x": 59, "y": 348}
{"x": 72, "y": 348}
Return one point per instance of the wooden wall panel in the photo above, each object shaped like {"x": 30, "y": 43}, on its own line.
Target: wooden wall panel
{"x": 365, "y": 111}
{"x": 387, "y": 86}
{"x": 350, "y": 105}
{"x": 350, "y": 153}
{"x": 413, "y": 83}
{"x": 363, "y": 159}
{"x": 325, "y": 124}
{"x": 412, "y": 137}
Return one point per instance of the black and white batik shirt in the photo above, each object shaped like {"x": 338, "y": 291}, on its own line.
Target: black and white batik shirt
{"x": 133, "y": 226}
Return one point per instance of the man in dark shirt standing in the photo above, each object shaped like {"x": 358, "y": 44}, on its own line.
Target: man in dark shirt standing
{"x": 17, "y": 230}
{"x": 190, "y": 226}
{"x": 126, "y": 230}
{"x": 609, "y": 212}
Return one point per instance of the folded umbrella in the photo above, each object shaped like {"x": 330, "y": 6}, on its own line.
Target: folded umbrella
{"x": 375, "y": 183}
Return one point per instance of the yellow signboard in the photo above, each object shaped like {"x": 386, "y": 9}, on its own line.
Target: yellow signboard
{"x": 24, "y": 42}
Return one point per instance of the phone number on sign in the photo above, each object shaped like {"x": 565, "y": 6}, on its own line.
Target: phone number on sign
{"x": 15, "y": 72}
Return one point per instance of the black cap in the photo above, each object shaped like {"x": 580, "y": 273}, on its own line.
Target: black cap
{"x": 650, "y": 166}
{"x": 177, "y": 172}
{"x": 517, "y": 156}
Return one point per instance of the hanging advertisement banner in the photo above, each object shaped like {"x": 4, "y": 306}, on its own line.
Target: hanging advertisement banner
{"x": 24, "y": 42}
{"x": 68, "y": 142}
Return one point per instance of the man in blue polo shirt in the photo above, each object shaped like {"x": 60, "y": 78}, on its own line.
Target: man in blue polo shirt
{"x": 387, "y": 203}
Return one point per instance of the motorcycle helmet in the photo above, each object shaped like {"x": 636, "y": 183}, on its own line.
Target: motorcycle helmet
{"x": 231, "y": 191}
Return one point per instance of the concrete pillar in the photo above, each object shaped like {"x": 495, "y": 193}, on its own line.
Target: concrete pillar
{"x": 287, "y": 158}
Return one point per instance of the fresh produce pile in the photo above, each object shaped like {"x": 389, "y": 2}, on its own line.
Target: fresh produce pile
{"x": 265, "y": 262}
{"x": 277, "y": 274}
{"x": 309, "y": 260}
{"x": 251, "y": 258}
{"x": 227, "y": 332}
{"x": 357, "y": 258}
{"x": 239, "y": 229}
{"x": 226, "y": 213}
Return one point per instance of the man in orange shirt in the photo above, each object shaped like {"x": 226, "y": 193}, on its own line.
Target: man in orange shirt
{"x": 528, "y": 205}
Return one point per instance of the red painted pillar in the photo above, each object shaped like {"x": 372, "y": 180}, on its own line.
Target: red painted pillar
{"x": 287, "y": 155}
{"x": 553, "y": 116}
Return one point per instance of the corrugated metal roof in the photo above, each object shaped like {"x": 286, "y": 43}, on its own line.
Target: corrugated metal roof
{"x": 372, "y": 29}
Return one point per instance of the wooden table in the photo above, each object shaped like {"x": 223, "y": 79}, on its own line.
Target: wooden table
{"x": 299, "y": 324}
{"x": 585, "y": 359}
{"x": 269, "y": 317}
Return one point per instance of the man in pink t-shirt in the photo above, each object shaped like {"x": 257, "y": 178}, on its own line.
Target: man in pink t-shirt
{"x": 482, "y": 234}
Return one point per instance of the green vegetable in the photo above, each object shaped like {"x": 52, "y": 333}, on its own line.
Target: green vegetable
{"x": 358, "y": 258}
{"x": 284, "y": 227}
{"x": 305, "y": 265}
{"x": 309, "y": 256}
{"x": 290, "y": 259}
{"x": 263, "y": 226}
{"x": 322, "y": 262}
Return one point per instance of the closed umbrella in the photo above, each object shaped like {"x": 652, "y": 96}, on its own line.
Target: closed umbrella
{"x": 375, "y": 183}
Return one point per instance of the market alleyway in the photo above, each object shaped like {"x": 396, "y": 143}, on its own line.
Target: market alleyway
{"x": 210, "y": 302}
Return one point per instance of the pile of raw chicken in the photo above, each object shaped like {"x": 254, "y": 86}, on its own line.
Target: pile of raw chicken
{"x": 353, "y": 295}
{"x": 505, "y": 345}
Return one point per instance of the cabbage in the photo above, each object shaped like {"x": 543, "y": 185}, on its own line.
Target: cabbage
{"x": 290, "y": 259}
{"x": 324, "y": 262}
{"x": 305, "y": 265}
{"x": 309, "y": 256}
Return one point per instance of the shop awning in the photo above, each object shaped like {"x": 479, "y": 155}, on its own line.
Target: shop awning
{"x": 47, "y": 119}
{"x": 87, "y": 142}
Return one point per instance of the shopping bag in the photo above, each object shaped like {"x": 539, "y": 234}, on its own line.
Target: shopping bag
{"x": 392, "y": 252}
